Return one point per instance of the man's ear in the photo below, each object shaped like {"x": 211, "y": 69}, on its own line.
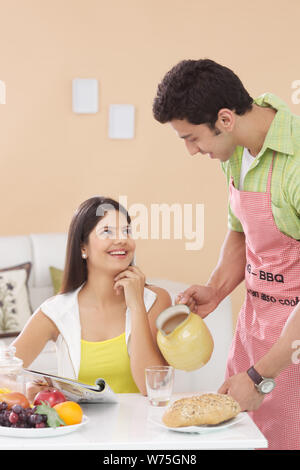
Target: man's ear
{"x": 226, "y": 119}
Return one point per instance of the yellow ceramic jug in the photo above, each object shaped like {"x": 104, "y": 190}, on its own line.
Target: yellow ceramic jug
{"x": 183, "y": 338}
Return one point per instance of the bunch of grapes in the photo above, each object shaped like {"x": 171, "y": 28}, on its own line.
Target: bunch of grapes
{"x": 19, "y": 417}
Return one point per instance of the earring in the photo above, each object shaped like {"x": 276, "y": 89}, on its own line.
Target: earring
{"x": 83, "y": 255}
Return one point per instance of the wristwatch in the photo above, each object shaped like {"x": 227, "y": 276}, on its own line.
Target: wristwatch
{"x": 263, "y": 384}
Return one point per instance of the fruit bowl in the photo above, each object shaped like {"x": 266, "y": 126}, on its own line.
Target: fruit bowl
{"x": 18, "y": 416}
{"x": 41, "y": 432}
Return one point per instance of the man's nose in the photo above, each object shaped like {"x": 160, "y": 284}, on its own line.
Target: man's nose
{"x": 192, "y": 148}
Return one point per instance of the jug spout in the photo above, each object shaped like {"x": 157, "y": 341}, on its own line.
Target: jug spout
{"x": 171, "y": 318}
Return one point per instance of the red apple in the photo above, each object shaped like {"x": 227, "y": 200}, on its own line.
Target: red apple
{"x": 50, "y": 395}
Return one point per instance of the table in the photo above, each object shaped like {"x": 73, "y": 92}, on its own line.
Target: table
{"x": 127, "y": 425}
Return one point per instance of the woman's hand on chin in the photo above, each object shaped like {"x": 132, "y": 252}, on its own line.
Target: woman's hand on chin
{"x": 132, "y": 281}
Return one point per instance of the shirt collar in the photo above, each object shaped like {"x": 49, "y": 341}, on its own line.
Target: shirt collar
{"x": 279, "y": 137}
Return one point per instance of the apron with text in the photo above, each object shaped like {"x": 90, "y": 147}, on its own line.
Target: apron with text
{"x": 272, "y": 279}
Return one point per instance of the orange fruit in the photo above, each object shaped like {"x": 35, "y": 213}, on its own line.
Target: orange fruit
{"x": 69, "y": 411}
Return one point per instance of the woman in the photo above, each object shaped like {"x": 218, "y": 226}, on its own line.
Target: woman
{"x": 103, "y": 321}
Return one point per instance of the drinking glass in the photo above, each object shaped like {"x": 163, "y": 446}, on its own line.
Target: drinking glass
{"x": 159, "y": 383}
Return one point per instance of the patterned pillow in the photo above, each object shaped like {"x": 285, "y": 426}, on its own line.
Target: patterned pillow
{"x": 15, "y": 308}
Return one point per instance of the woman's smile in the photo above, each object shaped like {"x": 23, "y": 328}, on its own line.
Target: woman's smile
{"x": 121, "y": 254}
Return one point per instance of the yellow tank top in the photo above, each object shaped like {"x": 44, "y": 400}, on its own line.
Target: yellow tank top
{"x": 108, "y": 360}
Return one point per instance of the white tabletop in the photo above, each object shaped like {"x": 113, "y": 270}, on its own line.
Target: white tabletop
{"x": 127, "y": 425}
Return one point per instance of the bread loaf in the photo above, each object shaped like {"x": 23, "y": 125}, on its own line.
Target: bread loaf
{"x": 206, "y": 409}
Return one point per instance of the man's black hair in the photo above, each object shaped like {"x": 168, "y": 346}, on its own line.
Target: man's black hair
{"x": 196, "y": 90}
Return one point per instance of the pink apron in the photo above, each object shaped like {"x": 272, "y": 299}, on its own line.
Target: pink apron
{"x": 272, "y": 278}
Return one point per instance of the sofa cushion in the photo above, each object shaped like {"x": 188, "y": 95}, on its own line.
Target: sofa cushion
{"x": 48, "y": 250}
{"x": 56, "y": 277}
{"x": 15, "y": 308}
{"x": 38, "y": 295}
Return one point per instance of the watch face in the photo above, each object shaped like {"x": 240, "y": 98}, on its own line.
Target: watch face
{"x": 267, "y": 386}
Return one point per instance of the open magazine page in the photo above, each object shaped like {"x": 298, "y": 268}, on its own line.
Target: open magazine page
{"x": 73, "y": 390}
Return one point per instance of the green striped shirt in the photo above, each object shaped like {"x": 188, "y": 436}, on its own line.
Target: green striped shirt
{"x": 284, "y": 137}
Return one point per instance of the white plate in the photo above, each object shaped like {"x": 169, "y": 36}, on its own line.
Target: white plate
{"x": 198, "y": 429}
{"x": 41, "y": 432}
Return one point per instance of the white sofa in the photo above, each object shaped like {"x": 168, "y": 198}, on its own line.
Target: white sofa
{"x": 44, "y": 250}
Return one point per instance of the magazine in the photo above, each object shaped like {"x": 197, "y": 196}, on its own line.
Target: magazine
{"x": 76, "y": 391}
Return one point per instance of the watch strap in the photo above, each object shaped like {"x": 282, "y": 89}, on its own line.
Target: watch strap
{"x": 254, "y": 375}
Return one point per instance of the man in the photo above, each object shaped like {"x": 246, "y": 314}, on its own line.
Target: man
{"x": 258, "y": 144}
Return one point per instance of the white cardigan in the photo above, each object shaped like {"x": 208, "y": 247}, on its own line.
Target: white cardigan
{"x": 63, "y": 310}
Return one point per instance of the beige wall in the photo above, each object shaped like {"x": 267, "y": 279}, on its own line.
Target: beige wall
{"x": 52, "y": 159}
